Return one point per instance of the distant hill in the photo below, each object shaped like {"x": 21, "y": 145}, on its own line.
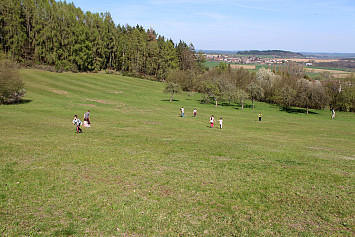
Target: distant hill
{"x": 277, "y": 53}
{"x": 329, "y": 55}
{"x": 224, "y": 52}
{"x": 282, "y": 53}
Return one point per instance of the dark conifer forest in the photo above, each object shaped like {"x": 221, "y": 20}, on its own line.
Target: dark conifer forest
{"x": 59, "y": 34}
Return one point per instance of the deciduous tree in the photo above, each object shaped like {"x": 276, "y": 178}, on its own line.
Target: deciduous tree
{"x": 11, "y": 85}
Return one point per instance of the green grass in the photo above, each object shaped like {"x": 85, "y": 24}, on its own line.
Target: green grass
{"x": 332, "y": 68}
{"x": 141, "y": 170}
{"x": 211, "y": 64}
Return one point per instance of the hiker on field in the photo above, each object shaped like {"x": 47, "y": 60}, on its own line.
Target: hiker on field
{"x": 77, "y": 122}
{"x": 87, "y": 117}
{"x": 333, "y": 113}
{"x": 220, "y": 123}
{"x": 212, "y": 121}
{"x": 260, "y": 115}
{"x": 195, "y": 112}
{"x": 182, "y": 112}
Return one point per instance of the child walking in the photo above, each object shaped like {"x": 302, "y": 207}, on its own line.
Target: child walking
{"x": 220, "y": 123}
{"x": 182, "y": 112}
{"x": 87, "y": 117}
{"x": 212, "y": 121}
{"x": 77, "y": 122}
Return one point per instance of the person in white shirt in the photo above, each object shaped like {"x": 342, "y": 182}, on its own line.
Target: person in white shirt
{"x": 212, "y": 121}
{"x": 333, "y": 114}
{"x": 77, "y": 122}
{"x": 220, "y": 123}
{"x": 182, "y": 112}
{"x": 195, "y": 112}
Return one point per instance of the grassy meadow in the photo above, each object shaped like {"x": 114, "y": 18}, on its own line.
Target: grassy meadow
{"x": 142, "y": 170}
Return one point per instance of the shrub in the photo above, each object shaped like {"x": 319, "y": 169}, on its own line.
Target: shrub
{"x": 11, "y": 85}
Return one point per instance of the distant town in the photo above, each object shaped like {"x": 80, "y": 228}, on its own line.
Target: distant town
{"x": 246, "y": 59}
{"x": 342, "y": 61}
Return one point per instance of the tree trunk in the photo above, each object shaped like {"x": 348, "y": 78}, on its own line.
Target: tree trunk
{"x": 242, "y": 105}
{"x": 252, "y": 102}
{"x": 307, "y": 109}
{"x": 216, "y": 103}
{"x": 171, "y": 98}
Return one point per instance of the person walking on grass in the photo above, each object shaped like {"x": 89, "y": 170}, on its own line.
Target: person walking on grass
{"x": 212, "y": 121}
{"x": 260, "y": 115}
{"x": 220, "y": 123}
{"x": 333, "y": 113}
{"x": 77, "y": 122}
{"x": 182, "y": 112}
{"x": 195, "y": 112}
{"x": 87, "y": 117}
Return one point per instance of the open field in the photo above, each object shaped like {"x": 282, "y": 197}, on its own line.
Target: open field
{"x": 311, "y": 59}
{"x": 311, "y": 71}
{"x": 245, "y": 66}
{"x": 335, "y": 73}
{"x": 141, "y": 170}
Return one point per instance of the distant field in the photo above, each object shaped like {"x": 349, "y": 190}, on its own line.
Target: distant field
{"x": 211, "y": 64}
{"x": 310, "y": 59}
{"x": 333, "y": 72}
{"x": 245, "y": 66}
{"x": 311, "y": 71}
{"x": 142, "y": 170}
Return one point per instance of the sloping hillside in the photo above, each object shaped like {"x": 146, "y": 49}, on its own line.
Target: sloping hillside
{"x": 141, "y": 169}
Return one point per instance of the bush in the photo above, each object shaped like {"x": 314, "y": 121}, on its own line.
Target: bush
{"x": 11, "y": 85}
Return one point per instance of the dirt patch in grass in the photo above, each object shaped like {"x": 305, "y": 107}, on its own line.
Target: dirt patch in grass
{"x": 116, "y": 92}
{"x": 151, "y": 122}
{"x": 321, "y": 148}
{"x": 88, "y": 105}
{"x": 106, "y": 102}
{"x": 120, "y": 105}
{"x": 60, "y": 92}
{"x": 347, "y": 157}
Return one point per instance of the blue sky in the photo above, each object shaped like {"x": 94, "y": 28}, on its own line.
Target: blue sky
{"x": 299, "y": 25}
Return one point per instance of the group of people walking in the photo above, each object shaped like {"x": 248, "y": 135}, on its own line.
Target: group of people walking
{"x": 182, "y": 112}
{"x": 212, "y": 121}
{"x": 77, "y": 122}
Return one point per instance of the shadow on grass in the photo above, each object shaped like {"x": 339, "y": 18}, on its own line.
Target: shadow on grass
{"x": 296, "y": 110}
{"x": 171, "y": 101}
{"x": 19, "y": 102}
{"x": 246, "y": 106}
{"x": 24, "y": 101}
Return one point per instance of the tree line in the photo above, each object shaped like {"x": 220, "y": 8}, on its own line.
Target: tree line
{"x": 62, "y": 35}
{"x": 286, "y": 86}
{"x": 276, "y": 53}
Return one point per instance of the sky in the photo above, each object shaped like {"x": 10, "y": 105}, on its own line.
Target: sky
{"x": 326, "y": 26}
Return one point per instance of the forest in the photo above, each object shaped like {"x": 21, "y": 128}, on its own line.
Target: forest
{"x": 59, "y": 34}
{"x": 276, "y": 53}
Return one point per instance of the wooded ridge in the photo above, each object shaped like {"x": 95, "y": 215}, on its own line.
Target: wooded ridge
{"x": 62, "y": 35}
